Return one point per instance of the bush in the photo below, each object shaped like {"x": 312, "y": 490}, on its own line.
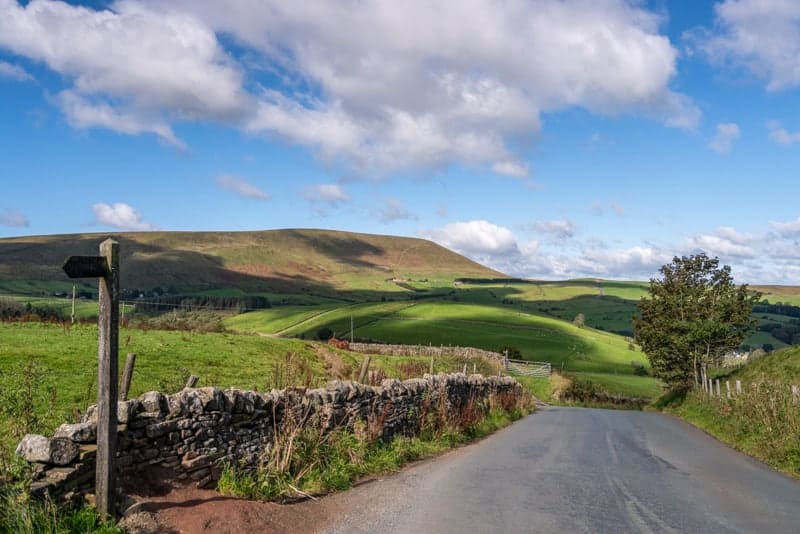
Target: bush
{"x": 324, "y": 333}
{"x": 639, "y": 369}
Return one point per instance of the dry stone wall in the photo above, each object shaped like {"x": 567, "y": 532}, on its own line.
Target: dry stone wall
{"x": 190, "y": 434}
{"x": 424, "y": 350}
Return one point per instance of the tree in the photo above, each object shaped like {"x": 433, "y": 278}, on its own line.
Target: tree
{"x": 695, "y": 314}
{"x": 579, "y": 320}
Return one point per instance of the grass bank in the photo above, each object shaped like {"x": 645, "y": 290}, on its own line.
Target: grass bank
{"x": 307, "y": 462}
{"x": 763, "y": 421}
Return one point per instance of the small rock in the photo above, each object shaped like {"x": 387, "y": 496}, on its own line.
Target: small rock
{"x": 57, "y": 451}
{"x": 79, "y": 433}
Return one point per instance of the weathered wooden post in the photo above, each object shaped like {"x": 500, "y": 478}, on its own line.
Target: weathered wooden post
{"x": 106, "y": 268}
{"x": 718, "y": 390}
{"x": 127, "y": 376}
{"x": 738, "y": 387}
{"x": 728, "y": 388}
{"x": 362, "y": 375}
{"x": 191, "y": 381}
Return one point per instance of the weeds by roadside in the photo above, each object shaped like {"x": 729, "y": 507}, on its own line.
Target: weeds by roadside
{"x": 763, "y": 421}
{"x": 307, "y": 459}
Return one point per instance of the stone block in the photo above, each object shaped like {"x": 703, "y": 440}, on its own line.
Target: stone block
{"x": 79, "y": 433}
{"x": 56, "y": 451}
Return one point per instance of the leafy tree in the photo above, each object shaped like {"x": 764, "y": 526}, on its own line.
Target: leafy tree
{"x": 324, "y": 333}
{"x": 695, "y": 314}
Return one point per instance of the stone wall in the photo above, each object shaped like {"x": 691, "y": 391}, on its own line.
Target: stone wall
{"x": 425, "y": 350}
{"x": 190, "y": 434}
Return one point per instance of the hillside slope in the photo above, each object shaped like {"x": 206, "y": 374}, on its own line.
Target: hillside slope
{"x": 318, "y": 262}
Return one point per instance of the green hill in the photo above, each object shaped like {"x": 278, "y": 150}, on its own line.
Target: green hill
{"x": 321, "y": 263}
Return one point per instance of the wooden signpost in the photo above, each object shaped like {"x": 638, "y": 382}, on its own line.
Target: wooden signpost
{"x": 106, "y": 268}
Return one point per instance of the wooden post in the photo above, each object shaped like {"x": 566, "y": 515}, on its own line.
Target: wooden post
{"x": 738, "y": 387}
{"x": 795, "y": 393}
{"x": 127, "y": 376}
{"x": 474, "y": 368}
{"x": 364, "y": 368}
{"x": 106, "y": 268}
{"x": 107, "y": 364}
{"x": 465, "y": 369}
{"x": 710, "y": 387}
{"x": 72, "y": 316}
{"x": 718, "y": 390}
{"x": 728, "y": 388}
{"x": 431, "y": 363}
{"x": 191, "y": 381}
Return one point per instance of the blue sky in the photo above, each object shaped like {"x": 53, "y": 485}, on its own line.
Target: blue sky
{"x": 548, "y": 139}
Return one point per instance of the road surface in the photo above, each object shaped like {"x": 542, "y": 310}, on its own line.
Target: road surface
{"x": 579, "y": 470}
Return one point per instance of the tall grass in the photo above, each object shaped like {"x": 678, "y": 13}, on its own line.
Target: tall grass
{"x": 763, "y": 421}
{"x": 306, "y": 458}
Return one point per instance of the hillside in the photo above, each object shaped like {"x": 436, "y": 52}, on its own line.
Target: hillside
{"x": 342, "y": 265}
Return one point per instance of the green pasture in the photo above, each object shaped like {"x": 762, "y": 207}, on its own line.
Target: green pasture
{"x": 55, "y": 368}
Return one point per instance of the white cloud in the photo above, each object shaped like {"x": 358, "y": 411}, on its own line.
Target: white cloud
{"x": 726, "y": 134}
{"x": 240, "y": 187}
{"x": 14, "y": 218}
{"x": 394, "y": 210}
{"x": 763, "y": 36}
{"x": 14, "y": 72}
{"x": 379, "y": 86}
{"x": 133, "y": 69}
{"x": 119, "y": 215}
{"x": 787, "y": 228}
{"x": 330, "y": 194}
{"x": 475, "y": 238}
{"x": 511, "y": 168}
{"x": 82, "y": 113}
{"x": 781, "y": 135}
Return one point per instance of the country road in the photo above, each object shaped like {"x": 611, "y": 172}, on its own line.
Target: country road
{"x": 579, "y": 470}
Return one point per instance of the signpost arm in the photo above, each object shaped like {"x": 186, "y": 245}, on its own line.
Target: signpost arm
{"x": 107, "y": 360}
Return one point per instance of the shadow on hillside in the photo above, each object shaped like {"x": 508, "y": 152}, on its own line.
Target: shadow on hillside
{"x": 342, "y": 250}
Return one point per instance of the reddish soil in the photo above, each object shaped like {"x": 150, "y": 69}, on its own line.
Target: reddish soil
{"x": 170, "y": 507}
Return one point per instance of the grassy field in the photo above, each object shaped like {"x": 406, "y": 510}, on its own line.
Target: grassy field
{"x": 48, "y": 373}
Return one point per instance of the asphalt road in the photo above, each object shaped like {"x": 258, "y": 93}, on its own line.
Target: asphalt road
{"x": 580, "y": 470}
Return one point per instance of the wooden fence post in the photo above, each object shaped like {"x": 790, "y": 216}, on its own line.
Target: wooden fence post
{"x": 718, "y": 390}
{"x": 728, "y": 388}
{"x": 191, "y": 381}
{"x": 738, "y": 387}
{"x": 107, "y": 370}
{"x": 127, "y": 376}
{"x": 431, "y": 370}
{"x": 362, "y": 375}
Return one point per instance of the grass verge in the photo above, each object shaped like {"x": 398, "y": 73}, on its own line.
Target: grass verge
{"x": 21, "y": 514}
{"x": 306, "y": 462}
{"x": 764, "y": 421}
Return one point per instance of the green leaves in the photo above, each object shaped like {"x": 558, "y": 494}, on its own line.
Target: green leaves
{"x": 695, "y": 314}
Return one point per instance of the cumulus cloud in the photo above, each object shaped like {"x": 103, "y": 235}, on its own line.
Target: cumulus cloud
{"x": 379, "y": 86}
{"x": 119, "y": 215}
{"x": 787, "y": 228}
{"x": 131, "y": 68}
{"x": 475, "y": 238}
{"x": 511, "y": 168}
{"x": 240, "y": 187}
{"x": 14, "y": 72}
{"x": 768, "y": 256}
{"x": 726, "y": 134}
{"x": 781, "y": 135}
{"x": 331, "y": 194}
{"x": 393, "y": 210}
{"x": 762, "y": 36}
{"x": 13, "y": 218}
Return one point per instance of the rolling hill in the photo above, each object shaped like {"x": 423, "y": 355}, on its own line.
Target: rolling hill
{"x": 322, "y": 263}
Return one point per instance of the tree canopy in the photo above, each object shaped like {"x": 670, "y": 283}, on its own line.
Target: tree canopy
{"x": 693, "y": 316}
